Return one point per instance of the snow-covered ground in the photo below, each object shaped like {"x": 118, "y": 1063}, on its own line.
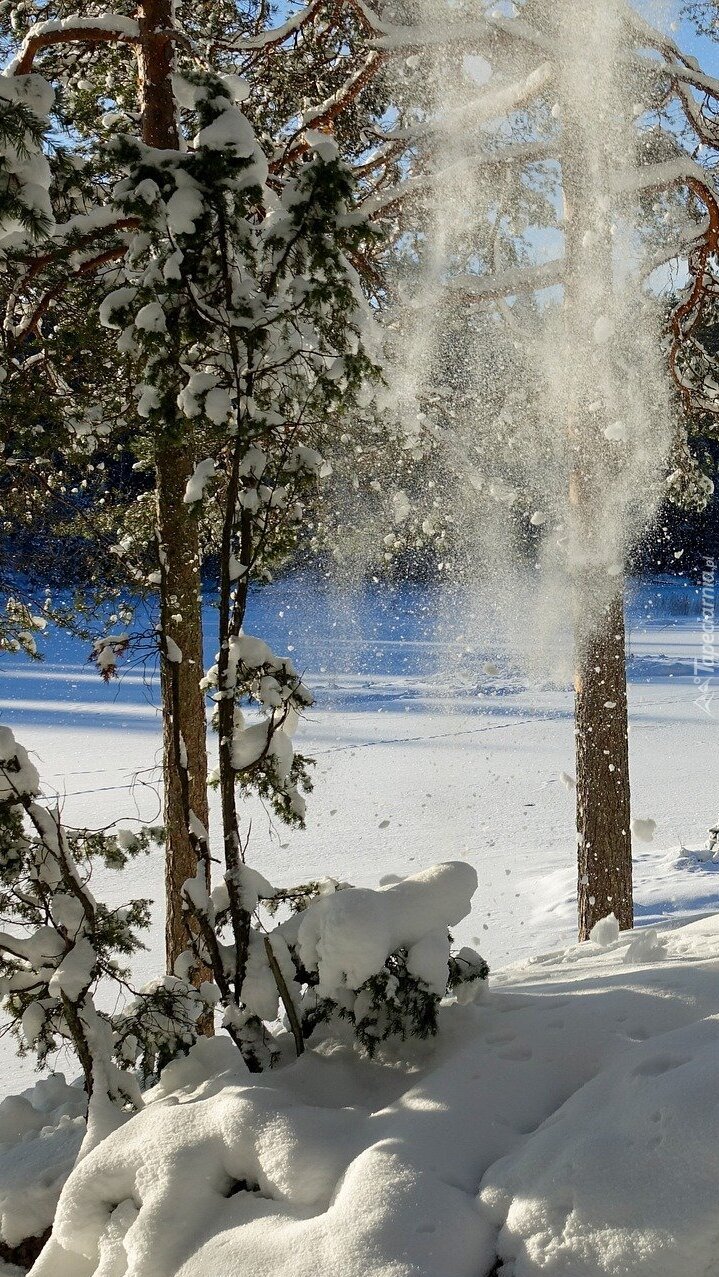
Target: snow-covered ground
{"x": 431, "y": 744}
{"x": 567, "y": 1123}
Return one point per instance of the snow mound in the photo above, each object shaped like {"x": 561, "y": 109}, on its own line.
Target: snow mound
{"x": 348, "y": 935}
{"x": 622, "y": 1179}
{"x": 568, "y": 1125}
{"x": 40, "y": 1135}
{"x": 251, "y": 1180}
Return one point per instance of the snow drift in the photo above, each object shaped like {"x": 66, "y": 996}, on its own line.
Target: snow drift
{"x": 567, "y": 1124}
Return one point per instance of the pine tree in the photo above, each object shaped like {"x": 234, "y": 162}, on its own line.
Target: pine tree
{"x": 552, "y": 82}
{"x": 86, "y": 56}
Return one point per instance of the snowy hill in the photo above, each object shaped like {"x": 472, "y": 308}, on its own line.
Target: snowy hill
{"x": 568, "y": 1123}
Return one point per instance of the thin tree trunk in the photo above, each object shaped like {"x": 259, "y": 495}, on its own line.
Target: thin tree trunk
{"x": 183, "y": 709}
{"x": 602, "y": 757}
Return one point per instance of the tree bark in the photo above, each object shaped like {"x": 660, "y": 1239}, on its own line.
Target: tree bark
{"x": 601, "y": 730}
{"x": 183, "y": 708}
{"x": 602, "y": 753}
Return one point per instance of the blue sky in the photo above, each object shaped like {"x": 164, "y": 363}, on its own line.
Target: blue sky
{"x": 666, "y": 14}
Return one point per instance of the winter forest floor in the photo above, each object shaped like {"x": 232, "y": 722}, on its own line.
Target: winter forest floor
{"x": 568, "y": 1121}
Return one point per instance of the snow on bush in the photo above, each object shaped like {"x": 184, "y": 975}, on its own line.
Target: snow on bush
{"x": 380, "y": 959}
{"x": 62, "y": 944}
{"x": 324, "y": 952}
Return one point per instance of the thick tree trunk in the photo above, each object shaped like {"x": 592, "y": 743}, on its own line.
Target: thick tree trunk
{"x": 183, "y": 709}
{"x": 602, "y": 752}
{"x": 602, "y": 758}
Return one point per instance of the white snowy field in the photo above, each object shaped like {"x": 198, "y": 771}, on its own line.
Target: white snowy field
{"x": 430, "y": 745}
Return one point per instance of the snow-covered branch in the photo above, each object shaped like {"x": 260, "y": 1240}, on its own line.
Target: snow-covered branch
{"x": 275, "y": 36}
{"x": 490, "y": 105}
{"x": 519, "y": 153}
{"x": 320, "y": 117}
{"x": 508, "y": 283}
{"x": 75, "y": 29}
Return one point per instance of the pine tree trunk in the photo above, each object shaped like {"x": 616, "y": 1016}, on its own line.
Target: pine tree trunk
{"x": 183, "y": 709}
{"x": 602, "y": 757}
{"x": 602, "y": 753}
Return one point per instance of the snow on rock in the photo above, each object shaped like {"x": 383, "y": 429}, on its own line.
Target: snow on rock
{"x": 568, "y": 1124}
{"x": 346, "y": 936}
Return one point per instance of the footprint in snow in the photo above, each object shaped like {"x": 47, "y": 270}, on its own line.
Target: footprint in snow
{"x": 516, "y": 1053}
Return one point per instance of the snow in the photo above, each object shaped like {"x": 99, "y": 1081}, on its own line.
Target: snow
{"x": 75, "y": 972}
{"x": 348, "y": 935}
{"x": 182, "y": 209}
{"x": 425, "y": 725}
{"x": 218, "y": 405}
{"x": 251, "y": 743}
{"x": 603, "y": 330}
{"x": 401, "y": 506}
{"x": 230, "y": 129}
{"x": 173, "y": 652}
{"x": 151, "y": 318}
{"x": 118, "y": 299}
{"x": 24, "y": 161}
{"x": 18, "y": 775}
{"x": 40, "y": 1136}
{"x": 618, "y": 1181}
{"x": 605, "y": 932}
{"x": 567, "y": 1123}
{"x": 422, "y": 715}
{"x": 644, "y": 830}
